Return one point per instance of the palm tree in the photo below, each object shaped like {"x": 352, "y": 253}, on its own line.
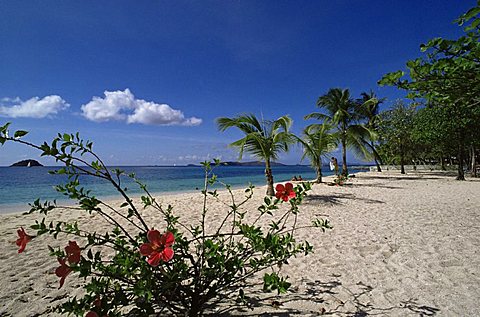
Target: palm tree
{"x": 264, "y": 139}
{"x": 343, "y": 112}
{"x": 317, "y": 142}
{"x": 369, "y": 110}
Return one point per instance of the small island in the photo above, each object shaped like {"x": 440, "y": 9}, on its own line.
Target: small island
{"x": 28, "y": 163}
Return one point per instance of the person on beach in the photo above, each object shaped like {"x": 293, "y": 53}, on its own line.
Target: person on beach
{"x": 334, "y": 165}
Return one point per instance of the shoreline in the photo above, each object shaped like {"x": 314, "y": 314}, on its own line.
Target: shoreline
{"x": 20, "y": 189}
{"x": 19, "y": 208}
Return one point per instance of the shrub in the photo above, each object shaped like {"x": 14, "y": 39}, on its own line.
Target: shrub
{"x": 340, "y": 180}
{"x": 139, "y": 268}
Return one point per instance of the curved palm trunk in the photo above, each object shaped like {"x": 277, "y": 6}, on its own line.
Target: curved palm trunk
{"x": 376, "y": 156}
{"x": 318, "y": 170}
{"x": 269, "y": 177}
{"x": 378, "y": 159}
{"x": 344, "y": 158}
{"x": 379, "y": 169}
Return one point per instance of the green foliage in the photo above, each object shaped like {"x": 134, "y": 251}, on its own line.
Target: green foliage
{"x": 324, "y": 224}
{"x": 448, "y": 75}
{"x": 274, "y": 282}
{"x": 265, "y": 139}
{"x": 317, "y": 141}
{"x": 396, "y": 132}
{"x": 340, "y": 180}
{"x": 370, "y": 114}
{"x": 438, "y": 129}
{"x": 344, "y": 113}
{"x": 206, "y": 265}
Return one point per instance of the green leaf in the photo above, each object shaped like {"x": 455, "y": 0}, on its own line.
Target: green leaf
{"x": 4, "y": 128}
{"x": 471, "y": 13}
{"x": 19, "y": 133}
{"x": 66, "y": 137}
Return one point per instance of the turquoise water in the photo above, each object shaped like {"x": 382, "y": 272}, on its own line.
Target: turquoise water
{"x": 21, "y": 185}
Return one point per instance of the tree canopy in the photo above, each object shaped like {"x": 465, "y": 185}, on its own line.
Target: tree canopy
{"x": 265, "y": 139}
{"x": 448, "y": 76}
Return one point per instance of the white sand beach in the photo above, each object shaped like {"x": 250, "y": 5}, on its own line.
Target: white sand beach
{"x": 402, "y": 245}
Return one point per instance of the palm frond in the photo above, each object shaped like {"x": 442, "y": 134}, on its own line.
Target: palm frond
{"x": 318, "y": 116}
{"x": 317, "y": 141}
{"x": 263, "y": 139}
{"x": 356, "y": 136}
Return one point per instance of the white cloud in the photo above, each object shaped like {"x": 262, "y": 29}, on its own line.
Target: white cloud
{"x": 33, "y": 107}
{"x": 122, "y": 106}
{"x": 190, "y": 158}
{"x": 16, "y": 99}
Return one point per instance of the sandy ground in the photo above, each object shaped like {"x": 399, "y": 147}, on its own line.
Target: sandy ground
{"x": 402, "y": 245}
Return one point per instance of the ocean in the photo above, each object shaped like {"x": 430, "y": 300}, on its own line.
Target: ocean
{"x": 22, "y": 185}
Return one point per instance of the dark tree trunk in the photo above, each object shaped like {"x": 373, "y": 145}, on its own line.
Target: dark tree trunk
{"x": 269, "y": 176}
{"x": 461, "y": 174}
{"x": 443, "y": 163}
{"x": 474, "y": 163}
{"x": 193, "y": 312}
{"x": 195, "y": 308}
{"x": 402, "y": 162}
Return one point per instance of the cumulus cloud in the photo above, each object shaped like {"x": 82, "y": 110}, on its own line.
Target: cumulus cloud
{"x": 32, "y": 108}
{"x": 122, "y": 106}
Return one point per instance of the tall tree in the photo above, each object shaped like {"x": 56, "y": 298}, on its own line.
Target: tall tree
{"x": 317, "y": 141}
{"x": 369, "y": 110}
{"x": 395, "y": 130}
{"x": 448, "y": 75}
{"x": 342, "y": 111}
{"x": 437, "y": 132}
{"x": 444, "y": 128}
{"x": 265, "y": 139}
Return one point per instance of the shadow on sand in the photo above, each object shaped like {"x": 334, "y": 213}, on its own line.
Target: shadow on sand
{"x": 427, "y": 175}
{"x": 338, "y": 199}
{"x": 376, "y": 185}
{"x": 325, "y": 299}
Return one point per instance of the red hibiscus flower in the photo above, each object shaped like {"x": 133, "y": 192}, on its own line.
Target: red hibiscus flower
{"x": 73, "y": 257}
{"x": 98, "y": 304}
{"x": 23, "y": 239}
{"x": 285, "y": 192}
{"x": 159, "y": 247}
{"x": 73, "y": 252}
{"x": 62, "y": 271}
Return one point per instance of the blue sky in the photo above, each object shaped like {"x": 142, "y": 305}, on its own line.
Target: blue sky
{"x": 145, "y": 80}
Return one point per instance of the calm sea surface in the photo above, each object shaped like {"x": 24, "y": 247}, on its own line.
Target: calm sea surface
{"x": 22, "y": 185}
